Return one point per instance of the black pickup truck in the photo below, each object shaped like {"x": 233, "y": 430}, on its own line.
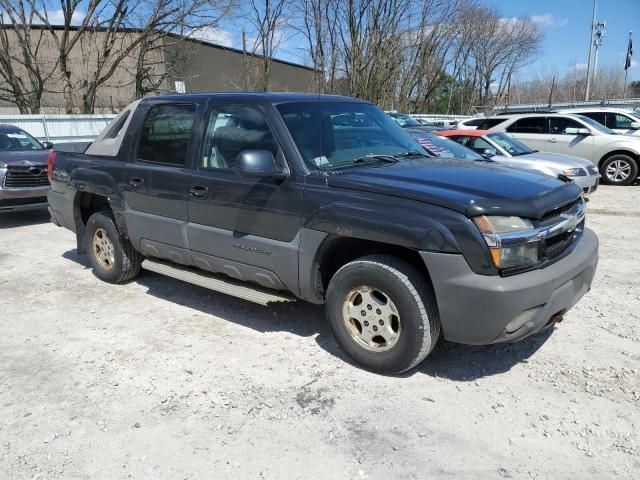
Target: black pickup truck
{"x": 272, "y": 197}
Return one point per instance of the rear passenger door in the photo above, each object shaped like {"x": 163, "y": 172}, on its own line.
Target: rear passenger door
{"x": 532, "y": 131}
{"x": 156, "y": 183}
{"x": 245, "y": 227}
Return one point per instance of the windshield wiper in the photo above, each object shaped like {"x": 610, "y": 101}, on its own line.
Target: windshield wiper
{"x": 372, "y": 156}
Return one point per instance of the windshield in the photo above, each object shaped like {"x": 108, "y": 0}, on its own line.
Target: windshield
{"x": 510, "y": 144}
{"x": 18, "y": 140}
{"x": 333, "y": 135}
{"x": 598, "y": 126}
{"x": 405, "y": 120}
{"x": 445, "y": 148}
{"x": 636, "y": 114}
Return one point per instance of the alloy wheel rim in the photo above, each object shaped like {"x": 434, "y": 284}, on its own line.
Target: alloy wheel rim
{"x": 618, "y": 170}
{"x": 371, "y": 318}
{"x": 103, "y": 248}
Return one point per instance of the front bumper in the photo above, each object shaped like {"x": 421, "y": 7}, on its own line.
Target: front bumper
{"x": 589, "y": 183}
{"x": 476, "y": 309}
{"x": 19, "y": 199}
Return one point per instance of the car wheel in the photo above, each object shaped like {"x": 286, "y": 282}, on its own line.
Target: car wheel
{"x": 112, "y": 256}
{"x": 383, "y": 313}
{"x": 619, "y": 170}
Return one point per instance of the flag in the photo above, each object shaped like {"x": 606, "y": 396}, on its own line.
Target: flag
{"x": 627, "y": 62}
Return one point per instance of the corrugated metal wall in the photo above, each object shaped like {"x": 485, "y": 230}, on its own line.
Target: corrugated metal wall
{"x": 60, "y": 128}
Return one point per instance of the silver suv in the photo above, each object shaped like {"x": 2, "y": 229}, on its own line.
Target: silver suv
{"x": 616, "y": 156}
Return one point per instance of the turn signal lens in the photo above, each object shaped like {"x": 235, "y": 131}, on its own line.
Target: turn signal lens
{"x": 516, "y": 256}
{"x": 496, "y": 224}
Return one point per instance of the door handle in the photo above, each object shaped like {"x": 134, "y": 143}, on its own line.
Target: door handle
{"x": 136, "y": 182}
{"x": 552, "y": 140}
{"x": 198, "y": 191}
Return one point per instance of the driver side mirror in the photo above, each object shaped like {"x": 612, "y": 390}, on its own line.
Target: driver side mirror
{"x": 47, "y": 145}
{"x": 259, "y": 163}
{"x": 577, "y": 131}
{"x": 490, "y": 152}
{"x": 635, "y": 126}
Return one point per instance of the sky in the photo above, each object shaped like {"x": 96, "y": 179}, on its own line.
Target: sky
{"x": 565, "y": 25}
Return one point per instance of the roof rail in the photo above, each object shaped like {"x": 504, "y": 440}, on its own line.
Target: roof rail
{"x": 537, "y": 110}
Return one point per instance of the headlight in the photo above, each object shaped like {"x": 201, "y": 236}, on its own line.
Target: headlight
{"x": 574, "y": 172}
{"x": 509, "y": 250}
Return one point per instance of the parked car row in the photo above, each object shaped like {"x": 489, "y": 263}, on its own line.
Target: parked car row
{"x": 608, "y": 138}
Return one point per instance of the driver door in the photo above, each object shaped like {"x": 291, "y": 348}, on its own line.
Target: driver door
{"x": 567, "y": 143}
{"x": 245, "y": 227}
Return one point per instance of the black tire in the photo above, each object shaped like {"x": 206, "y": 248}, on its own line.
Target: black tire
{"x": 629, "y": 165}
{"x": 126, "y": 260}
{"x": 414, "y": 301}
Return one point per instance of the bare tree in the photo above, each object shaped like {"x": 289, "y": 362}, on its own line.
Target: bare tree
{"x": 269, "y": 23}
{"x": 109, "y": 31}
{"x": 319, "y": 23}
{"x": 500, "y": 47}
{"x": 24, "y": 74}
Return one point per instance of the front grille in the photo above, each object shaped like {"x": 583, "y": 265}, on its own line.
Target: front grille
{"x": 553, "y": 216}
{"x": 17, "y": 202}
{"x": 26, "y": 177}
{"x": 554, "y": 246}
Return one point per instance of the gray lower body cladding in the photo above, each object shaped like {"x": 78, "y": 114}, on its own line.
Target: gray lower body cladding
{"x": 476, "y": 309}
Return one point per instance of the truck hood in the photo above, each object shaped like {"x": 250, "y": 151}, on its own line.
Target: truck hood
{"x": 469, "y": 187}
{"x": 23, "y": 158}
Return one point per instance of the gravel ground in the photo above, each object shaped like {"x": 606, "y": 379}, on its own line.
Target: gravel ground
{"x": 160, "y": 379}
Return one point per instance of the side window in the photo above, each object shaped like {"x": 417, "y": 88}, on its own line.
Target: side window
{"x": 559, "y": 125}
{"x": 478, "y": 145}
{"x": 615, "y": 120}
{"x": 597, "y": 116}
{"x": 166, "y": 134}
{"x": 489, "y": 123}
{"x": 230, "y": 130}
{"x": 529, "y": 125}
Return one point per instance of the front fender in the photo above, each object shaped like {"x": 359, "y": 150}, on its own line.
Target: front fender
{"x": 396, "y": 221}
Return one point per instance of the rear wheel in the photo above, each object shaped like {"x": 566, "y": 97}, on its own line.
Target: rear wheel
{"x": 112, "y": 256}
{"x": 619, "y": 169}
{"x": 383, "y": 313}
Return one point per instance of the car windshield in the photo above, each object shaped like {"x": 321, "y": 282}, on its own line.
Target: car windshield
{"x": 445, "y": 148}
{"x": 598, "y": 126}
{"x": 332, "y": 135}
{"x": 18, "y": 140}
{"x": 405, "y": 120}
{"x": 510, "y": 144}
{"x": 635, "y": 114}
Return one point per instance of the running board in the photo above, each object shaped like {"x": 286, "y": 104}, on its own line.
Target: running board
{"x": 225, "y": 285}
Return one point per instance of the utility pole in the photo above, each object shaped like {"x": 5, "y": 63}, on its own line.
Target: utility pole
{"x": 593, "y": 25}
{"x": 597, "y": 41}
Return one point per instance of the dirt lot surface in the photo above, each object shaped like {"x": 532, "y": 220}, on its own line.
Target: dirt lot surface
{"x": 158, "y": 379}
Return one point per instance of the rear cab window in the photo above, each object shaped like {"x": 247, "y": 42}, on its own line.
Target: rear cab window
{"x": 166, "y": 134}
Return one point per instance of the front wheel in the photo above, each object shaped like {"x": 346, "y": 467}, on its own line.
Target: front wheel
{"x": 619, "y": 169}
{"x": 112, "y": 256}
{"x": 383, "y": 313}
